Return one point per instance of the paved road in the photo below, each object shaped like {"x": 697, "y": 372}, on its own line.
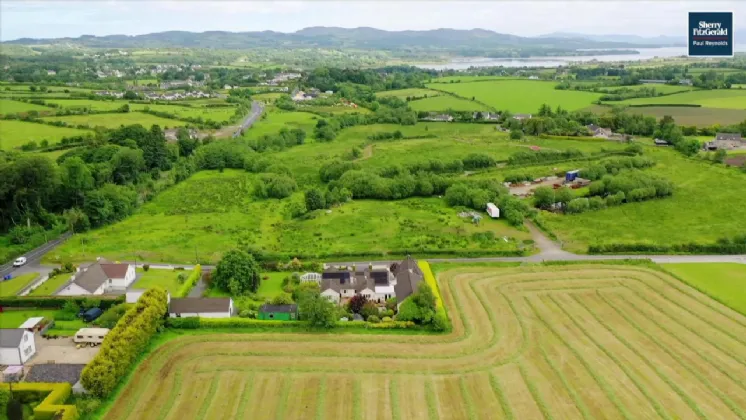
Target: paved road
{"x": 256, "y": 112}
{"x": 33, "y": 258}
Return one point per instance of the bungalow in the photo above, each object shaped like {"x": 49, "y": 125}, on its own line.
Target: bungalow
{"x": 521, "y": 117}
{"x": 278, "y": 312}
{"x": 439, "y": 117}
{"x": 201, "y": 307}
{"x": 485, "y": 116}
{"x": 599, "y": 132}
{"x": 99, "y": 278}
{"x": 16, "y": 346}
{"x": 661, "y": 142}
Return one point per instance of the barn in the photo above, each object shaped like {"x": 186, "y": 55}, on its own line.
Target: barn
{"x": 16, "y": 346}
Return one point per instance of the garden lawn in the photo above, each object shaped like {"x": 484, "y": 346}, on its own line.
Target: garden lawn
{"x": 166, "y": 279}
{"x": 721, "y": 98}
{"x": 8, "y": 107}
{"x": 117, "y": 120}
{"x": 16, "y": 284}
{"x": 14, "y": 134}
{"x": 14, "y": 319}
{"x": 725, "y": 282}
{"x": 51, "y": 285}
{"x": 444, "y": 103}
{"x": 272, "y": 286}
{"x": 706, "y": 205}
{"x": 520, "y": 96}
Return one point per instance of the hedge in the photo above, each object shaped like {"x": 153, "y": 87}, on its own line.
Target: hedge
{"x": 190, "y": 281}
{"x": 57, "y": 302}
{"x": 687, "y": 248}
{"x": 440, "y": 310}
{"x": 125, "y": 342}
{"x": 194, "y": 323}
{"x": 51, "y": 407}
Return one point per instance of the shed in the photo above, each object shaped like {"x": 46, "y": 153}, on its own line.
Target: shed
{"x": 16, "y": 346}
{"x": 571, "y": 175}
{"x": 493, "y": 211}
{"x": 32, "y": 324}
{"x": 279, "y": 312}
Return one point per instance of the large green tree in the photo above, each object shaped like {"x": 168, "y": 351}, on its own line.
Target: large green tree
{"x": 237, "y": 273}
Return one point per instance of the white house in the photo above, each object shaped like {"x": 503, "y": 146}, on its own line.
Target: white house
{"x": 16, "y": 346}
{"x": 201, "y": 307}
{"x": 377, "y": 284}
{"x": 99, "y": 278}
{"x": 314, "y": 277}
{"x": 493, "y": 211}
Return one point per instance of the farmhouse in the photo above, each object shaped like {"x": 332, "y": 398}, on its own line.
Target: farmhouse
{"x": 99, "y": 278}
{"x": 726, "y": 141}
{"x": 201, "y": 307}
{"x": 486, "y": 116}
{"x": 278, "y": 312}
{"x": 439, "y": 117}
{"x": 599, "y": 132}
{"x": 398, "y": 280}
{"x": 16, "y": 346}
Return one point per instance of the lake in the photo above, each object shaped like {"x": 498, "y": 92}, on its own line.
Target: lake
{"x": 644, "y": 54}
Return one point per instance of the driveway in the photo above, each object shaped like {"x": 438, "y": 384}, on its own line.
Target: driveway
{"x": 60, "y": 350}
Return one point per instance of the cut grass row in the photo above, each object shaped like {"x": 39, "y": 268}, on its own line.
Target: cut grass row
{"x": 608, "y": 369}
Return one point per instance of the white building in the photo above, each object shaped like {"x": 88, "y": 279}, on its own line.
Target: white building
{"x": 16, "y": 346}
{"x": 91, "y": 335}
{"x": 99, "y": 278}
{"x": 493, "y": 211}
{"x": 201, "y": 307}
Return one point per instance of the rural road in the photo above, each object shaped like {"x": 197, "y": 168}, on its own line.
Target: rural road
{"x": 256, "y": 111}
{"x": 33, "y": 259}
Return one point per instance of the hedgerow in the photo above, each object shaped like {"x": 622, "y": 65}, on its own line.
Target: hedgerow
{"x": 125, "y": 342}
{"x": 57, "y": 302}
{"x": 51, "y": 406}
{"x": 190, "y": 281}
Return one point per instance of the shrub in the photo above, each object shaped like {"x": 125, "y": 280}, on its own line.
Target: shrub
{"x": 127, "y": 340}
{"x": 146, "y": 267}
{"x": 386, "y": 319}
{"x": 190, "y": 281}
{"x": 58, "y": 302}
{"x": 52, "y": 396}
{"x": 374, "y": 319}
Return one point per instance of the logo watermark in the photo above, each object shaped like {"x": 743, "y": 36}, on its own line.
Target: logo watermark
{"x": 710, "y": 34}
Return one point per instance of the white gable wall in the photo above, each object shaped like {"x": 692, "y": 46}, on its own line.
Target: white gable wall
{"x": 331, "y": 295}
{"x": 123, "y": 283}
{"x": 73, "y": 289}
{"x": 19, "y": 355}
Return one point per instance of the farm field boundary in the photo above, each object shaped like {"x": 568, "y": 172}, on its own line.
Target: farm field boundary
{"x": 578, "y": 341}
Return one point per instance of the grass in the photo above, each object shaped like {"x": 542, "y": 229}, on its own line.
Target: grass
{"x": 633, "y": 342}
{"x": 725, "y": 282}
{"x": 723, "y": 98}
{"x": 520, "y": 96}
{"x": 268, "y": 288}
{"x": 14, "y": 134}
{"x": 51, "y": 285}
{"x": 700, "y": 117}
{"x": 117, "y": 120}
{"x": 665, "y": 89}
{"x": 269, "y": 96}
{"x": 404, "y": 93}
{"x": 87, "y": 104}
{"x": 13, "y": 286}
{"x": 218, "y": 114}
{"x": 13, "y": 319}
{"x": 8, "y": 107}
{"x": 334, "y": 109}
{"x": 276, "y": 120}
{"x": 167, "y": 279}
{"x": 703, "y": 208}
{"x": 446, "y": 102}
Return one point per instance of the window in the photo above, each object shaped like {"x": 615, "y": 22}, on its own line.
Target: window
{"x": 27, "y": 351}
{"x": 100, "y": 337}
{"x": 80, "y": 337}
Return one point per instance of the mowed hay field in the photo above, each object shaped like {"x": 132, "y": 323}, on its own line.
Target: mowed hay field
{"x": 722, "y": 98}
{"x": 519, "y": 96}
{"x": 17, "y": 133}
{"x": 528, "y": 342}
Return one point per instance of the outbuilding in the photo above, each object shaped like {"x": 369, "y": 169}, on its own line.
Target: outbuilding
{"x": 16, "y": 346}
{"x": 278, "y": 312}
{"x": 91, "y": 335}
{"x": 493, "y": 210}
{"x": 201, "y": 307}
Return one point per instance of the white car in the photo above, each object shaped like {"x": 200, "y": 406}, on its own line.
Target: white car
{"x": 19, "y": 262}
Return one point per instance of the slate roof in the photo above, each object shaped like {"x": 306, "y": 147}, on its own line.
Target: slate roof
{"x": 55, "y": 373}
{"x": 279, "y": 308}
{"x": 728, "y": 136}
{"x": 96, "y": 274}
{"x": 359, "y": 280}
{"x": 408, "y": 278}
{"x": 11, "y": 337}
{"x": 198, "y": 305}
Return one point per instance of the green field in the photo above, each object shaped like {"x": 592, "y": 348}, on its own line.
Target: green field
{"x": 446, "y": 102}
{"x": 404, "y": 93}
{"x": 205, "y": 216}
{"x": 117, "y": 120}
{"x": 16, "y": 284}
{"x": 87, "y": 104}
{"x": 696, "y": 116}
{"x": 276, "y": 120}
{"x": 665, "y": 89}
{"x": 13, "y": 319}
{"x": 705, "y": 206}
{"x": 167, "y": 279}
{"x": 269, "y": 96}
{"x": 723, "y": 98}
{"x": 51, "y": 285}
{"x": 8, "y": 107}
{"x": 217, "y": 114}
{"x": 17, "y": 133}
{"x": 470, "y": 79}
{"x": 725, "y": 282}
{"x": 334, "y": 110}
{"x": 520, "y": 96}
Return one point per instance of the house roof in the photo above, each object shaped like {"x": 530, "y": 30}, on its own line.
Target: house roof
{"x": 199, "y": 305}
{"x": 11, "y": 337}
{"x": 92, "y": 278}
{"x": 115, "y": 271}
{"x": 32, "y": 322}
{"x": 408, "y": 278}
{"x": 279, "y": 308}
{"x": 728, "y": 136}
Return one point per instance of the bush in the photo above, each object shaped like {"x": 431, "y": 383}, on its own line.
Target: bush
{"x": 190, "y": 281}
{"x": 146, "y": 267}
{"x": 374, "y": 319}
{"x": 386, "y": 319}
{"x": 52, "y": 406}
{"x": 125, "y": 342}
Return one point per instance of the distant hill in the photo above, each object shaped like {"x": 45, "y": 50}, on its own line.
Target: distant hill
{"x": 448, "y": 40}
{"x": 663, "y": 40}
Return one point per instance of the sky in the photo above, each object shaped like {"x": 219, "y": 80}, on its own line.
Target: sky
{"x": 59, "y": 18}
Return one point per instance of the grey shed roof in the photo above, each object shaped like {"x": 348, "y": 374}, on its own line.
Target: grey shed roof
{"x": 728, "y": 136}
{"x": 279, "y": 308}
{"x": 199, "y": 305}
{"x": 11, "y": 337}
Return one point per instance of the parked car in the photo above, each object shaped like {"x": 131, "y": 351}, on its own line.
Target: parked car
{"x": 91, "y": 314}
{"x": 19, "y": 261}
